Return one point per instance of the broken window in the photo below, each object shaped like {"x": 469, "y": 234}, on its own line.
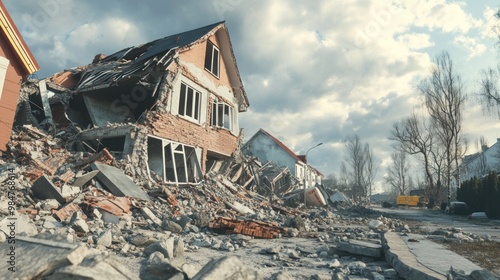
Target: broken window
{"x": 222, "y": 115}
{"x": 173, "y": 162}
{"x": 212, "y": 59}
{"x": 189, "y": 102}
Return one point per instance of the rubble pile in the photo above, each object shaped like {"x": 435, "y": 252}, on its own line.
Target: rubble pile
{"x": 99, "y": 202}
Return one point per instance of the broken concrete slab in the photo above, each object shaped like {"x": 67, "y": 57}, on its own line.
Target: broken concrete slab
{"x": 35, "y": 258}
{"x": 80, "y": 181}
{"x": 148, "y": 214}
{"x": 117, "y": 182}
{"x": 43, "y": 188}
{"x": 362, "y": 248}
{"x": 240, "y": 208}
{"x": 95, "y": 268}
{"x": 22, "y": 225}
{"x": 226, "y": 268}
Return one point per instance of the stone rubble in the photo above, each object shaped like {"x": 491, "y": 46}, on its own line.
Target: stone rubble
{"x": 178, "y": 220}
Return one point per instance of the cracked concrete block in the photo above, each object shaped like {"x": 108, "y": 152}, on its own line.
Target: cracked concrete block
{"x": 44, "y": 189}
{"x": 362, "y": 248}
{"x": 226, "y": 268}
{"x": 41, "y": 257}
{"x": 80, "y": 181}
{"x": 117, "y": 182}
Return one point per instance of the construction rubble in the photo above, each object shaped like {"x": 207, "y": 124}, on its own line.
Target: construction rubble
{"x": 95, "y": 215}
{"x": 85, "y": 215}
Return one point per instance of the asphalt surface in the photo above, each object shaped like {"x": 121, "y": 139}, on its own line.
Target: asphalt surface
{"x": 435, "y": 219}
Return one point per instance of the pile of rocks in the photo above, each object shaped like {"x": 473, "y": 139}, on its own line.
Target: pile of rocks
{"x": 70, "y": 197}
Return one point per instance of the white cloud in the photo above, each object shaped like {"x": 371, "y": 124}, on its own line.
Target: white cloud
{"x": 491, "y": 27}
{"x": 415, "y": 41}
{"x": 472, "y": 45}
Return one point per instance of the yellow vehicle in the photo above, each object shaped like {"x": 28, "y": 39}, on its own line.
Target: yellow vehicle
{"x": 411, "y": 200}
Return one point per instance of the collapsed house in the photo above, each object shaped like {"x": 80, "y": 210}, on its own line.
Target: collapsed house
{"x": 16, "y": 63}
{"x": 171, "y": 105}
{"x": 268, "y": 148}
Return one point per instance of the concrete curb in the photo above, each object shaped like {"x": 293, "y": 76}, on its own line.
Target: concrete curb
{"x": 403, "y": 261}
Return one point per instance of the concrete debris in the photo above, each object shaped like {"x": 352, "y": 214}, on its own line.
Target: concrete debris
{"x": 43, "y": 188}
{"x": 227, "y": 268}
{"x": 340, "y": 198}
{"x": 41, "y": 257}
{"x": 117, "y": 182}
{"x": 82, "y": 180}
{"x": 362, "y": 248}
{"x": 94, "y": 268}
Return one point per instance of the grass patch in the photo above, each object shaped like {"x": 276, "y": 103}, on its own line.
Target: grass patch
{"x": 485, "y": 254}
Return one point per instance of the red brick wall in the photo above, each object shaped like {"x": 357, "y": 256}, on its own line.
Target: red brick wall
{"x": 196, "y": 56}
{"x": 10, "y": 94}
{"x": 207, "y": 138}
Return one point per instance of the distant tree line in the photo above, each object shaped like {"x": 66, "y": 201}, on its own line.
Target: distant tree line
{"x": 482, "y": 195}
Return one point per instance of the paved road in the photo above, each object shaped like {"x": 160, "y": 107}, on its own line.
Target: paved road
{"x": 434, "y": 219}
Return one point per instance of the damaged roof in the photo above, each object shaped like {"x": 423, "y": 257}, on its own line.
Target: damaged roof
{"x": 163, "y": 45}
{"x": 135, "y": 61}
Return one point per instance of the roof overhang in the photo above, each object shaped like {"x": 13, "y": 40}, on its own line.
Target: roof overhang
{"x": 16, "y": 41}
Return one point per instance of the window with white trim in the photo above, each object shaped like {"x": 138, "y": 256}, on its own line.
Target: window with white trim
{"x": 212, "y": 59}
{"x": 173, "y": 162}
{"x": 189, "y": 102}
{"x": 222, "y": 115}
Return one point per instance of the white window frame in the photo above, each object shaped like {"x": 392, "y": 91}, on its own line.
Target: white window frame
{"x": 180, "y": 160}
{"x": 196, "y": 101}
{"x": 227, "y": 121}
{"x": 212, "y": 53}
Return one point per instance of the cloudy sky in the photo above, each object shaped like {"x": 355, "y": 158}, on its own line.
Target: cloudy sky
{"x": 314, "y": 71}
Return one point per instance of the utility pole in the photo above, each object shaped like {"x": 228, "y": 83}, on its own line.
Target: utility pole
{"x": 306, "y": 169}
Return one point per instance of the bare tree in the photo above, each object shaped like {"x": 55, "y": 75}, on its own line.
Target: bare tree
{"x": 445, "y": 96}
{"x": 358, "y": 169}
{"x": 398, "y": 173}
{"x": 416, "y": 137}
{"x": 489, "y": 92}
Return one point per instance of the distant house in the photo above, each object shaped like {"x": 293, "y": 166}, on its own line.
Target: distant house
{"x": 171, "y": 104}
{"x": 16, "y": 63}
{"x": 267, "y": 148}
{"x": 481, "y": 163}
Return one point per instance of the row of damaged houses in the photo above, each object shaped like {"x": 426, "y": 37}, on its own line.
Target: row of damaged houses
{"x": 170, "y": 106}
